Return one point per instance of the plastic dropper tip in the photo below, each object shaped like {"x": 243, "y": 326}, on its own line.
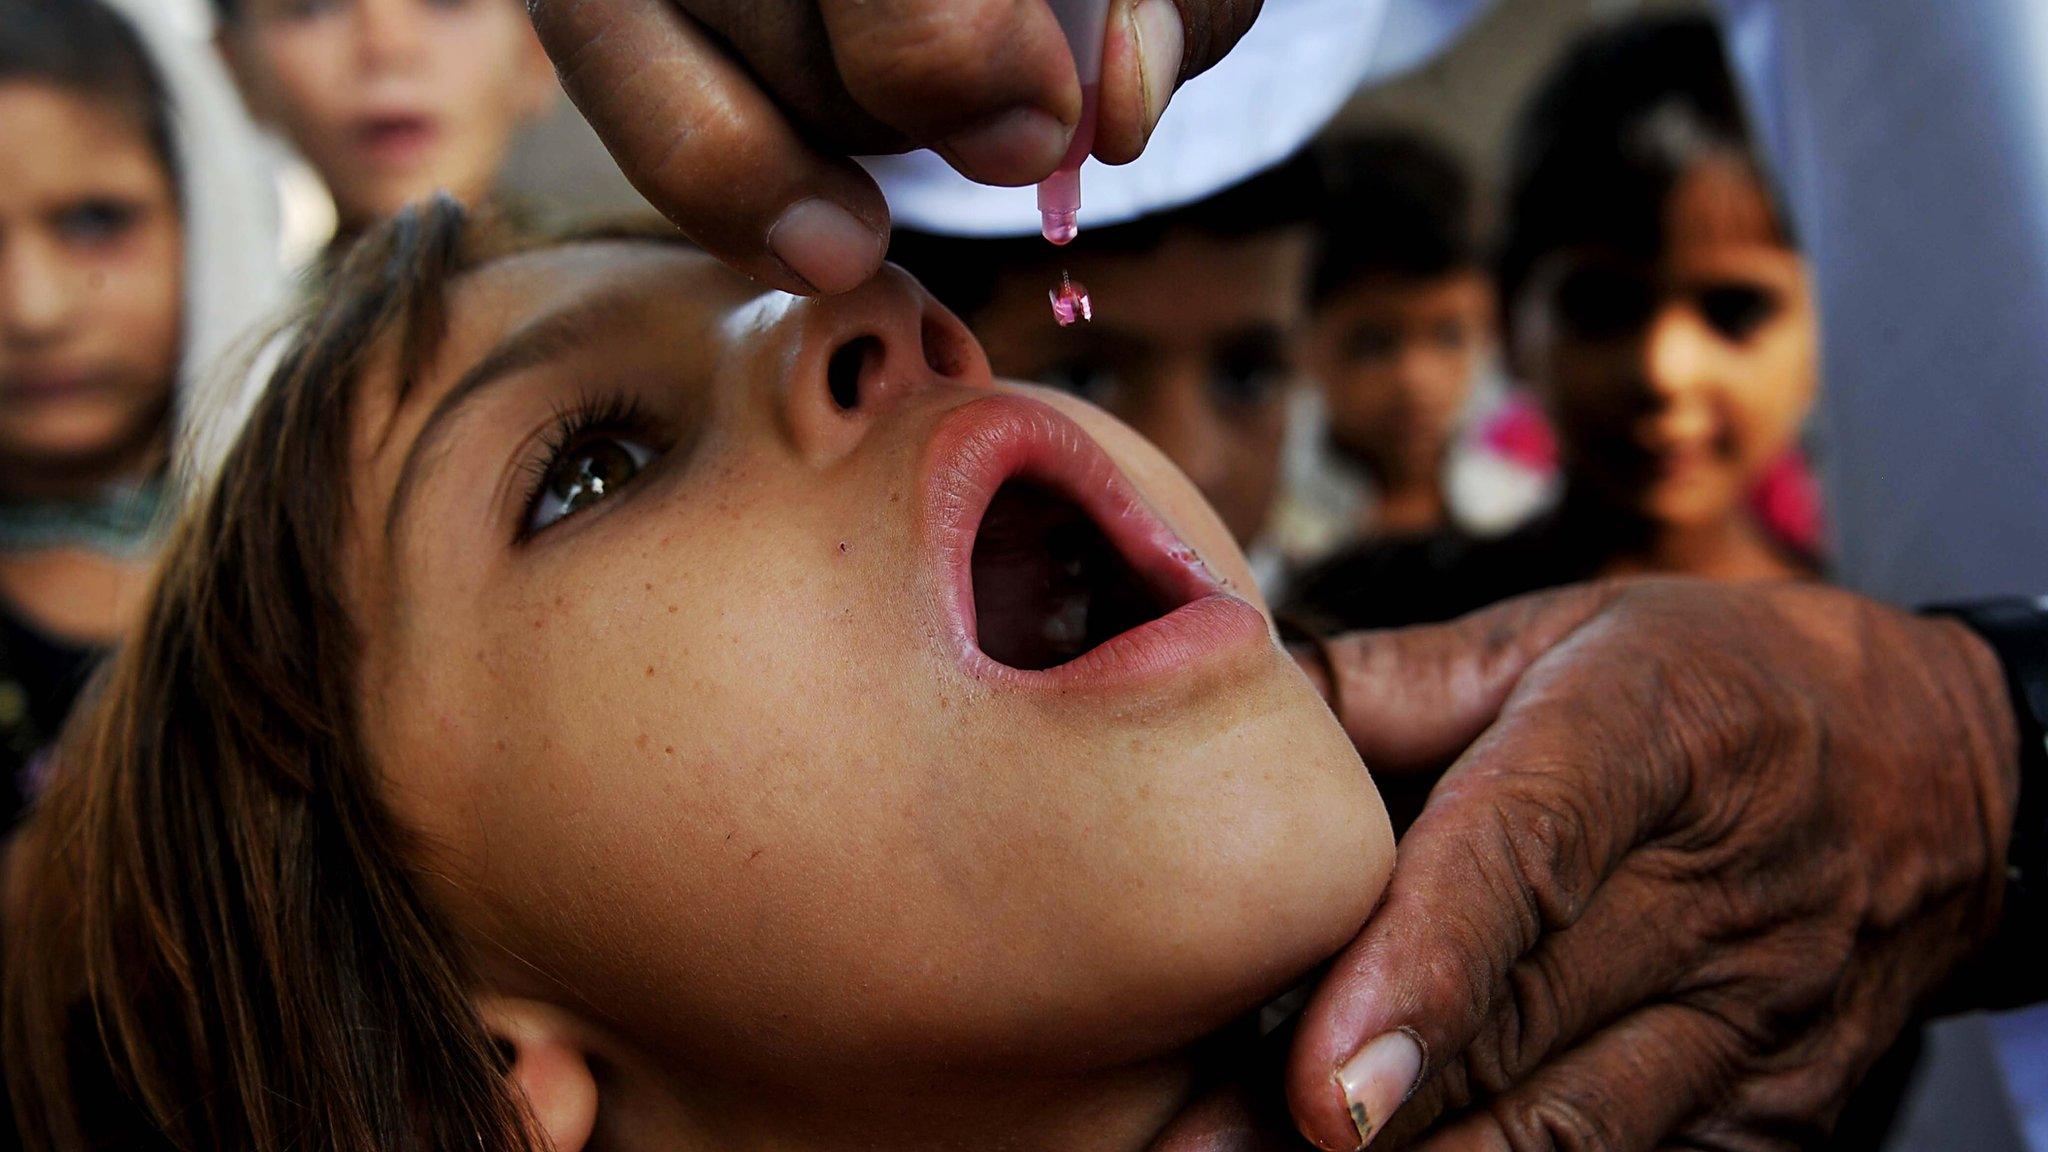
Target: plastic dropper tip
{"x": 1060, "y": 227}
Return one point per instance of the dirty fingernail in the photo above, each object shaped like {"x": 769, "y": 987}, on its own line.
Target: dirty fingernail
{"x": 1156, "y": 26}
{"x": 825, "y": 244}
{"x": 1019, "y": 146}
{"x": 1378, "y": 1078}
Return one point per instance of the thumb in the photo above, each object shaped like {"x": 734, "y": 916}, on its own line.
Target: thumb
{"x": 1412, "y": 699}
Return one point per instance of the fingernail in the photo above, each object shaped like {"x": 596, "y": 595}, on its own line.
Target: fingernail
{"x": 1014, "y": 147}
{"x": 825, "y": 245}
{"x": 1378, "y": 1078}
{"x": 1156, "y": 26}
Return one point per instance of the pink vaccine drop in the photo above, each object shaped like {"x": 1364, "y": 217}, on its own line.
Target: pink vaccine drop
{"x": 1059, "y": 195}
{"x": 1070, "y": 301}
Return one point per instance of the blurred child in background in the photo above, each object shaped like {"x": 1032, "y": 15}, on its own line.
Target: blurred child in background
{"x": 390, "y": 100}
{"x": 1405, "y": 344}
{"x": 1657, "y": 302}
{"x": 106, "y": 300}
{"x": 1198, "y": 315}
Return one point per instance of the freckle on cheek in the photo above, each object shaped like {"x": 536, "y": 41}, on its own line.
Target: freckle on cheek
{"x": 650, "y": 671}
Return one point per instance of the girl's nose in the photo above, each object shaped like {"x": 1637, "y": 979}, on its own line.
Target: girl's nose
{"x": 1678, "y": 354}
{"x": 388, "y": 35}
{"x": 857, "y": 354}
{"x": 37, "y": 297}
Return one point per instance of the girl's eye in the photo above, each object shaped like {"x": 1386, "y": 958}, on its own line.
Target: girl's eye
{"x": 1736, "y": 311}
{"x": 90, "y": 223}
{"x": 582, "y": 473}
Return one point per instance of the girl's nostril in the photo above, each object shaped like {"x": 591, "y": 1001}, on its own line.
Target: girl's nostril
{"x": 843, "y": 372}
{"x": 944, "y": 349}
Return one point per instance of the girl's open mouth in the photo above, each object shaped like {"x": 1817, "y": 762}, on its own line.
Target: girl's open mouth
{"x": 1056, "y": 572}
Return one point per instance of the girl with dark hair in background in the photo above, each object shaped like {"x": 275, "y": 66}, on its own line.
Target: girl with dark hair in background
{"x": 118, "y": 276}
{"x": 1653, "y": 296}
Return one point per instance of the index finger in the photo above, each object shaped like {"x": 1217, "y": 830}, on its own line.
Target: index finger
{"x": 696, "y": 135}
{"x": 1514, "y": 843}
{"x": 987, "y": 84}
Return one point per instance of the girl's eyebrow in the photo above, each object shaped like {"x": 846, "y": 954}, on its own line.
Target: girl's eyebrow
{"x": 546, "y": 338}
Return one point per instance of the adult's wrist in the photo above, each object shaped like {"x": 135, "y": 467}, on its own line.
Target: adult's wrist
{"x": 2013, "y": 968}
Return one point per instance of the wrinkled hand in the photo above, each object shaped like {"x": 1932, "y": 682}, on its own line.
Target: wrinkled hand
{"x": 736, "y": 117}
{"x": 1707, "y": 850}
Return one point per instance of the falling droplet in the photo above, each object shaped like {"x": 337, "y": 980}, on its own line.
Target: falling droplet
{"x": 1070, "y": 301}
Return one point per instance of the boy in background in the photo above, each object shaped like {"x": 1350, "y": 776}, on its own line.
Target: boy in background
{"x": 390, "y": 100}
{"x": 1404, "y": 333}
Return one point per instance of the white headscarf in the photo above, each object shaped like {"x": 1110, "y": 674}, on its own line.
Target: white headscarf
{"x": 234, "y": 277}
{"x": 1290, "y": 74}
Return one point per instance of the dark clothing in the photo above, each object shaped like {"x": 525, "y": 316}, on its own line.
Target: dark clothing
{"x": 40, "y": 678}
{"x": 1405, "y": 580}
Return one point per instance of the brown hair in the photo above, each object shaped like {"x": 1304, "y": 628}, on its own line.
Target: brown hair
{"x": 216, "y": 941}
{"x": 89, "y": 50}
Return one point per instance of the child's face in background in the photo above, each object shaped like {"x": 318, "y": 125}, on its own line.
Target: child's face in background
{"x": 1192, "y": 344}
{"x": 392, "y": 100}
{"x": 681, "y": 629}
{"x": 1676, "y": 384}
{"x": 1397, "y": 357}
{"x": 91, "y": 264}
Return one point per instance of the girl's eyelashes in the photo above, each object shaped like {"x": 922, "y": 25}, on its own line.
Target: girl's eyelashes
{"x": 588, "y": 454}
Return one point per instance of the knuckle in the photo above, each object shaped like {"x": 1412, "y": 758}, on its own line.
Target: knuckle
{"x": 1524, "y": 1029}
{"x": 714, "y": 127}
{"x": 1547, "y": 854}
{"x": 942, "y": 49}
{"x": 1578, "y": 1119}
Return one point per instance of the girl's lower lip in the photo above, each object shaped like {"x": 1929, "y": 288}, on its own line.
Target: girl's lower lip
{"x": 47, "y": 388}
{"x": 983, "y": 443}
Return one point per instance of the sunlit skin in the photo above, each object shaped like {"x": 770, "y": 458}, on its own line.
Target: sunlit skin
{"x": 91, "y": 312}
{"x": 1396, "y": 356}
{"x": 392, "y": 100}
{"x": 1675, "y": 386}
{"x": 696, "y": 766}
{"x": 1193, "y": 344}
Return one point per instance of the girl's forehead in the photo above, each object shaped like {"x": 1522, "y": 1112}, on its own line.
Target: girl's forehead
{"x": 1717, "y": 202}
{"x": 485, "y": 305}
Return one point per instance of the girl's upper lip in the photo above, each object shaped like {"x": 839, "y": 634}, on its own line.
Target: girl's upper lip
{"x": 985, "y": 442}
{"x": 47, "y": 382}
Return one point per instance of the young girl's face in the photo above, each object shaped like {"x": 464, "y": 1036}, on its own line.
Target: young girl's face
{"x": 1675, "y": 385}
{"x": 831, "y": 723}
{"x": 393, "y": 100}
{"x": 90, "y": 266}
